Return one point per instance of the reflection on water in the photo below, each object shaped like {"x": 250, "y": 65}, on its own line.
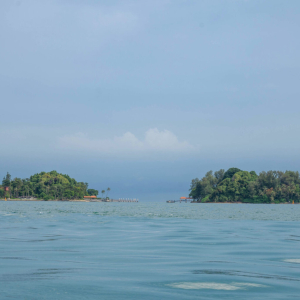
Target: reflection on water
{"x": 148, "y": 251}
{"x": 39, "y": 274}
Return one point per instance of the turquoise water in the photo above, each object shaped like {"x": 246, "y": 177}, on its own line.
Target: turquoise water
{"x": 53, "y": 250}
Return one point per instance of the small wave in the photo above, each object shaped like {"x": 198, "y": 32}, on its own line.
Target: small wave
{"x": 213, "y": 286}
{"x": 244, "y": 274}
{"x": 294, "y": 260}
{"x": 204, "y": 285}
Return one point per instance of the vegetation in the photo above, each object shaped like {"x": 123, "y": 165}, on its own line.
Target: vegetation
{"x": 92, "y": 192}
{"x": 52, "y": 185}
{"x": 236, "y": 185}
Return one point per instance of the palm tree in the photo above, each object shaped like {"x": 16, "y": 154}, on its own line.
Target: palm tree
{"x": 103, "y": 191}
{"x": 47, "y": 189}
{"x": 54, "y": 189}
{"x": 108, "y": 189}
{"x": 27, "y": 190}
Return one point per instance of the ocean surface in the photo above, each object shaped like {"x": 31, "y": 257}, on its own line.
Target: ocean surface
{"x": 59, "y": 250}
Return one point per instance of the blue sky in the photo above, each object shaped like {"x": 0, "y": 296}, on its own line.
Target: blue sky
{"x": 143, "y": 96}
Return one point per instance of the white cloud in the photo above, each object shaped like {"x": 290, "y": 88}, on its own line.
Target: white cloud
{"x": 163, "y": 140}
{"x": 155, "y": 141}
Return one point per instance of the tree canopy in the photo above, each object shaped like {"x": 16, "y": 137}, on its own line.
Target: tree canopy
{"x": 236, "y": 185}
{"x": 51, "y": 185}
{"x": 92, "y": 192}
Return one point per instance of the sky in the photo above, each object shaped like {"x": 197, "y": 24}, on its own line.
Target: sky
{"x": 143, "y": 96}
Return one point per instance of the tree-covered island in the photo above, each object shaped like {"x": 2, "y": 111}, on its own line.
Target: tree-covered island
{"x": 236, "y": 185}
{"x": 46, "y": 186}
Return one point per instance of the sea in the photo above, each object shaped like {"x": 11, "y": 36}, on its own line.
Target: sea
{"x": 151, "y": 250}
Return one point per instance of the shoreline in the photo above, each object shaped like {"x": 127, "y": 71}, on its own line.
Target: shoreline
{"x": 134, "y": 201}
{"x": 73, "y": 200}
{"x": 239, "y": 203}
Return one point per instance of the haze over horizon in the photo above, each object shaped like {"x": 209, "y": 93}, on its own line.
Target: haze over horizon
{"x": 143, "y": 96}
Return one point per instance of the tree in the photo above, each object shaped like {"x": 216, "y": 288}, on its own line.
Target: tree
{"x": 6, "y": 183}
{"x": 108, "y": 190}
{"x": 219, "y": 175}
{"x": 204, "y": 187}
{"x": 26, "y": 188}
{"x": 16, "y": 185}
{"x": 230, "y": 172}
{"x": 194, "y": 183}
{"x": 6, "y": 180}
{"x": 197, "y": 192}
{"x": 51, "y": 185}
{"x": 103, "y": 192}
{"x": 267, "y": 187}
{"x": 54, "y": 190}
{"x": 92, "y": 192}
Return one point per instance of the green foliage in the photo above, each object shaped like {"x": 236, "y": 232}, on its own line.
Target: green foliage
{"x": 201, "y": 188}
{"x": 47, "y": 186}
{"x": 230, "y": 172}
{"x": 205, "y": 199}
{"x": 92, "y": 192}
{"x": 236, "y": 185}
{"x": 6, "y": 180}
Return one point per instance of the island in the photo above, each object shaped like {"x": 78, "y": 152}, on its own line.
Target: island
{"x": 48, "y": 186}
{"x": 237, "y": 186}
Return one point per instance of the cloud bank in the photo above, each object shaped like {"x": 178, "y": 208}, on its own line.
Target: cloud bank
{"x": 154, "y": 141}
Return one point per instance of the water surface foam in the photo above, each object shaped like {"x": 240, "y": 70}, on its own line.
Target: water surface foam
{"x": 213, "y": 285}
{"x": 293, "y": 260}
